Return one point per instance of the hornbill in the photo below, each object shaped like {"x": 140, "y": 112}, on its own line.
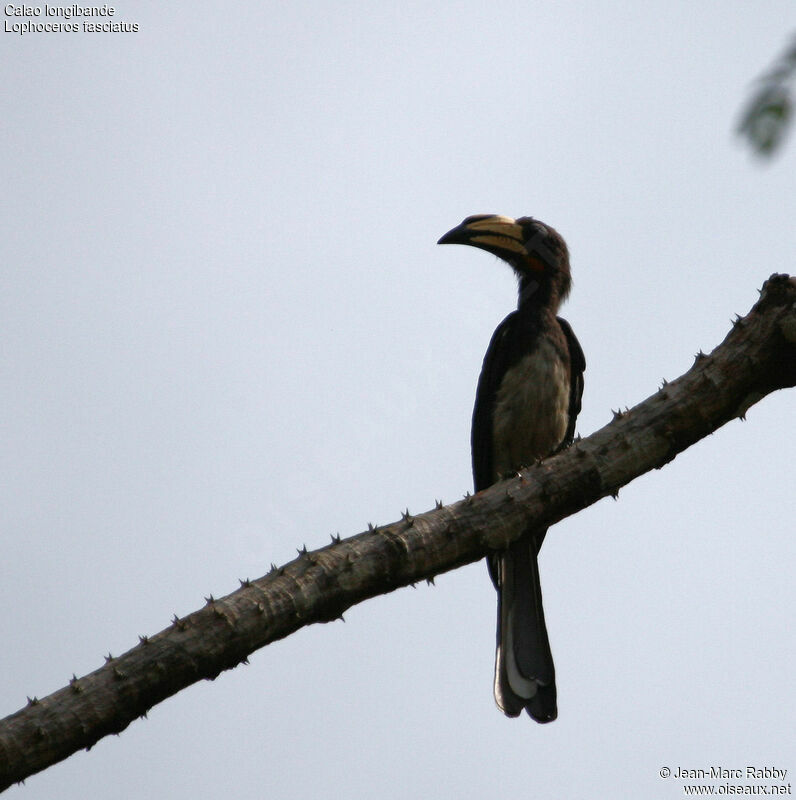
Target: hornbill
{"x": 528, "y": 398}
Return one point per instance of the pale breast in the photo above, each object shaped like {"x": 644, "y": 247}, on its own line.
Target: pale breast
{"x": 531, "y": 410}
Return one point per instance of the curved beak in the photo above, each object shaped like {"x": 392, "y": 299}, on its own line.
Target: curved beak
{"x": 501, "y": 236}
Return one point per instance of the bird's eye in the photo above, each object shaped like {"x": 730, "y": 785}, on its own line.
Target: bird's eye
{"x": 538, "y": 235}
{"x": 541, "y": 245}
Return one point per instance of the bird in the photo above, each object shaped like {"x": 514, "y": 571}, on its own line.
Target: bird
{"x": 526, "y": 405}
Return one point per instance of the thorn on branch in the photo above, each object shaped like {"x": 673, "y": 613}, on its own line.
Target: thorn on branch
{"x": 244, "y": 582}
{"x": 108, "y": 658}
{"x": 180, "y": 624}
{"x": 209, "y": 601}
{"x": 336, "y": 538}
{"x": 143, "y": 639}
{"x": 430, "y": 581}
{"x": 438, "y": 504}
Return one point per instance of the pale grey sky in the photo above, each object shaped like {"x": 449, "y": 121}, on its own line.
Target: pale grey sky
{"x": 227, "y": 331}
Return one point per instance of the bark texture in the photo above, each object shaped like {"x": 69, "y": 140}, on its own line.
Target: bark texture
{"x": 757, "y": 357}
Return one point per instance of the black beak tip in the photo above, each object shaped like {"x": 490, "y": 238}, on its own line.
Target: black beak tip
{"x": 452, "y": 237}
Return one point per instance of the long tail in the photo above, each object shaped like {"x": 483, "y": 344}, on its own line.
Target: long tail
{"x": 524, "y": 671}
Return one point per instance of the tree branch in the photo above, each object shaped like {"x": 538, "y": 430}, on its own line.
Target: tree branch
{"x": 757, "y": 357}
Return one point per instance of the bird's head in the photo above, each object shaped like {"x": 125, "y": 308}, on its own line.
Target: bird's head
{"x": 535, "y": 251}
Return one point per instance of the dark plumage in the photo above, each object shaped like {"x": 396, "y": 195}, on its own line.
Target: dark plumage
{"x": 528, "y": 399}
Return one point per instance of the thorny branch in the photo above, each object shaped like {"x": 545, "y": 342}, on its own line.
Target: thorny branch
{"x": 757, "y": 357}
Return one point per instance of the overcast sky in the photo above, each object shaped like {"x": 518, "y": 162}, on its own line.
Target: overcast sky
{"x": 227, "y": 331}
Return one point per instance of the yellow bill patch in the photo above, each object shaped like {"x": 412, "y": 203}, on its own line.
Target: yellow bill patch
{"x": 502, "y": 241}
{"x": 496, "y": 224}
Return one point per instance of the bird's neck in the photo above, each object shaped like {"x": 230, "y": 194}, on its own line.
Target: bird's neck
{"x": 536, "y": 297}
